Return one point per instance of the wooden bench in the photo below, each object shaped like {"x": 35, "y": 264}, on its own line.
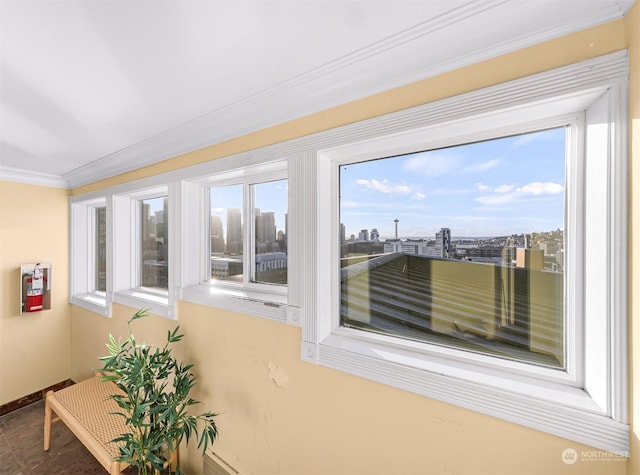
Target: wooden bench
{"x": 88, "y": 411}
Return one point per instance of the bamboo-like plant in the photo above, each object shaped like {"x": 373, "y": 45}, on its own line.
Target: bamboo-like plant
{"x": 154, "y": 401}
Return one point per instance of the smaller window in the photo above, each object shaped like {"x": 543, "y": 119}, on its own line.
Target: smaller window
{"x": 248, "y": 251}
{"x": 89, "y": 276}
{"x": 235, "y": 223}
{"x": 142, "y": 249}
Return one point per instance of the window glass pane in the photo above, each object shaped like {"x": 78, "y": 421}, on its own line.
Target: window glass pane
{"x": 100, "y": 250}
{"x": 226, "y": 233}
{"x": 270, "y": 214}
{"x": 462, "y": 246}
{"x": 155, "y": 243}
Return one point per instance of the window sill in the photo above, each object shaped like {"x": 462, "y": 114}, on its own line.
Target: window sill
{"x": 156, "y": 302}
{"x": 96, "y": 302}
{"x": 564, "y": 411}
{"x": 259, "y": 304}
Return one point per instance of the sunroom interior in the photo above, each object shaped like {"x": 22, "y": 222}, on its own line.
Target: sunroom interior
{"x": 202, "y": 160}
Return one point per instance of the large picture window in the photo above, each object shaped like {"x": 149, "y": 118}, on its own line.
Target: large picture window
{"x": 473, "y": 250}
{"x": 461, "y": 246}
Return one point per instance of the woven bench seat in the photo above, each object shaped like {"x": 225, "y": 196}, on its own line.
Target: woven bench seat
{"x": 87, "y": 411}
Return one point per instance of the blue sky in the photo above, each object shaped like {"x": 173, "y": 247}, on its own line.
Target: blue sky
{"x": 498, "y": 187}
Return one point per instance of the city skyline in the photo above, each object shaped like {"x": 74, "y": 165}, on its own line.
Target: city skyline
{"x": 497, "y": 187}
{"x": 270, "y": 197}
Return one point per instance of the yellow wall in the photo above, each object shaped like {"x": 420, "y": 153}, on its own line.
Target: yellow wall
{"x": 281, "y": 415}
{"x": 35, "y": 348}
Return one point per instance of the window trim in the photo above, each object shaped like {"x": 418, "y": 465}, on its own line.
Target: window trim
{"x": 82, "y": 253}
{"x": 262, "y": 300}
{"x": 247, "y": 181}
{"x": 127, "y": 229}
{"x": 599, "y": 422}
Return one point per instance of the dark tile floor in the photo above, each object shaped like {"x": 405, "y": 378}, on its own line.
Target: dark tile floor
{"x": 21, "y": 452}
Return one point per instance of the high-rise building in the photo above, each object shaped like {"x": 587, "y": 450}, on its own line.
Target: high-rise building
{"x": 217, "y": 234}
{"x": 266, "y": 228}
{"x": 234, "y": 230}
{"x": 443, "y": 242}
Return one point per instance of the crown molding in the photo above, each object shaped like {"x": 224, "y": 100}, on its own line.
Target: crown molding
{"x": 333, "y": 84}
{"x": 29, "y": 177}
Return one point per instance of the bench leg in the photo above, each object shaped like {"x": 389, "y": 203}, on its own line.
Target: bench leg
{"x": 47, "y": 422}
{"x": 115, "y": 468}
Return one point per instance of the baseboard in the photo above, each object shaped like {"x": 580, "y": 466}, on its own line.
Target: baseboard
{"x": 33, "y": 397}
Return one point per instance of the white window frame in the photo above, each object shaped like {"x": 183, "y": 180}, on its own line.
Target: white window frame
{"x": 248, "y": 233}
{"x": 82, "y": 253}
{"x": 452, "y": 135}
{"x": 588, "y": 402}
{"x": 263, "y": 300}
{"x": 127, "y": 262}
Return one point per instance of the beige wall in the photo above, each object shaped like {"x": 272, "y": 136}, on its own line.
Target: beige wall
{"x": 281, "y": 415}
{"x": 35, "y": 348}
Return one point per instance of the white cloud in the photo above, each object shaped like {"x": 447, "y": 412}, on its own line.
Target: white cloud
{"x": 505, "y": 188}
{"x": 384, "y": 186}
{"x": 481, "y": 167}
{"x": 541, "y": 188}
{"x": 419, "y": 196}
{"x": 505, "y": 194}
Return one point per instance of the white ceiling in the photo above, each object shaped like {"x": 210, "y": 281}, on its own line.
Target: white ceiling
{"x": 92, "y": 88}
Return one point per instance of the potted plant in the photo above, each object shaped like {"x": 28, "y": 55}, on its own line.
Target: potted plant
{"x": 154, "y": 401}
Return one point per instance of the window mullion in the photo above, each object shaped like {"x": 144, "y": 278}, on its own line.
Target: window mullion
{"x": 205, "y": 271}
{"x": 249, "y": 233}
{"x": 136, "y": 240}
{"x": 575, "y": 254}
